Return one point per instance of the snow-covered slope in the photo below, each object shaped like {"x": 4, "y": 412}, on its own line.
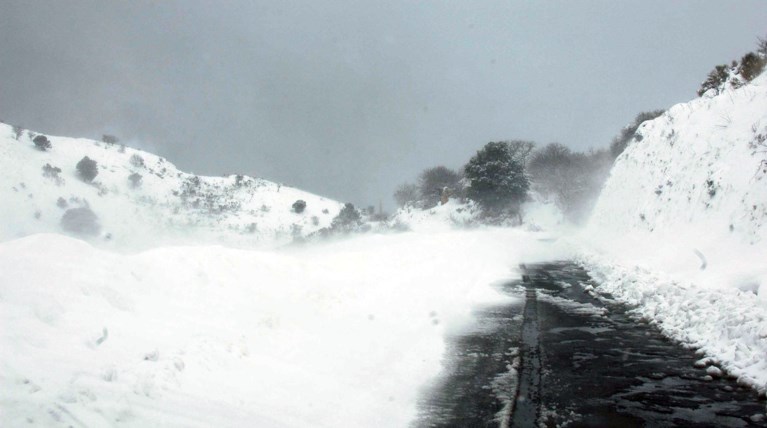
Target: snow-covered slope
{"x": 696, "y": 167}
{"x": 680, "y": 228}
{"x": 168, "y": 206}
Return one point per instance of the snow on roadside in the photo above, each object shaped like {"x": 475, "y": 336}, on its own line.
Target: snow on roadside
{"x": 727, "y": 324}
{"x": 680, "y": 229}
{"x": 336, "y": 334}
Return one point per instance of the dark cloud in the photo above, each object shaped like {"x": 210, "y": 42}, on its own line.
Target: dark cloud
{"x": 349, "y": 99}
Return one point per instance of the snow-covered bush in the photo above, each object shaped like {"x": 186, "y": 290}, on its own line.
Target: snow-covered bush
{"x": 135, "y": 180}
{"x": 299, "y": 206}
{"x": 52, "y": 172}
{"x": 87, "y": 169}
{"x": 347, "y": 220}
{"x": 81, "y": 221}
{"x": 137, "y": 161}
{"x": 42, "y": 143}
{"x": 751, "y": 65}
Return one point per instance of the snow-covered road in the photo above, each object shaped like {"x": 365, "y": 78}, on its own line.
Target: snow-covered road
{"x": 567, "y": 358}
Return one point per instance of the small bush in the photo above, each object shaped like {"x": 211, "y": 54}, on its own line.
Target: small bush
{"x": 135, "y": 180}
{"x": 109, "y": 139}
{"x": 433, "y": 181}
{"x": 50, "y": 171}
{"x": 751, "y": 65}
{"x": 17, "y": 131}
{"x": 715, "y": 79}
{"x": 61, "y": 203}
{"x": 348, "y": 219}
{"x": 87, "y": 169}
{"x": 81, "y": 221}
{"x": 299, "y": 206}
{"x": 137, "y": 161}
{"x": 42, "y": 143}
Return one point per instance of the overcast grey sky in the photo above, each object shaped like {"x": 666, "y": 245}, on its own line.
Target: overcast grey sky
{"x": 351, "y": 98}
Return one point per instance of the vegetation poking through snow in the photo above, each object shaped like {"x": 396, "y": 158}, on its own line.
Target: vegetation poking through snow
{"x": 81, "y": 221}
{"x": 87, "y": 169}
{"x": 42, "y": 143}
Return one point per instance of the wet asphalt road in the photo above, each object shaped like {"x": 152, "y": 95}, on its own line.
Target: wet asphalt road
{"x": 560, "y": 357}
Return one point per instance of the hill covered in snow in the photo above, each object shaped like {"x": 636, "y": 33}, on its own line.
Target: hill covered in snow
{"x": 141, "y": 199}
{"x": 680, "y": 229}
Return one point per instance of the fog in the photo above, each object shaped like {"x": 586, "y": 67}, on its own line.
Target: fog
{"x": 350, "y": 99}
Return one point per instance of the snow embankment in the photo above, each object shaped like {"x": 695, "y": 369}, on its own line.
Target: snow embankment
{"x": 335, "y": 334}
{"x": 141, "y": 200}
{"x": 680, "y": 229}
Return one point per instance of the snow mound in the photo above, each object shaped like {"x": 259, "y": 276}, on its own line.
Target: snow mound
{"x": 163, "y": 206}
{"x": 680, "y": 229}
{"x": 451, "y": 215}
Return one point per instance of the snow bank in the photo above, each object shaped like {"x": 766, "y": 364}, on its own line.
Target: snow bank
{"x": 537, "y": 214}
{"x": 168, "y": 207}
{"x": 328, "y": 335}
{"x": 451, "y": 215}
{"x": 680, "y": 229}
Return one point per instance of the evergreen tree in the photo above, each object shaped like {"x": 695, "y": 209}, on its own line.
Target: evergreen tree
{"x": 497, "y": 179}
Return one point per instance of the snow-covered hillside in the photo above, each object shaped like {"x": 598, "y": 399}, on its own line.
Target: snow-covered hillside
{"x": 163, "y": 206}
{"x": 680, "y": 228}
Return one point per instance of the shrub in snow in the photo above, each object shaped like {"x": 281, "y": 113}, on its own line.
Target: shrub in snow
{"x": 751, "y": 65}
{"x": 715, "y": 79}
{"x": 61, "y": 202}
{"x": 109, "y": 139}
{"x": 52, "y": 172}
{"x": 348, "y": 219}
{"x": 81, "y": 221}
{"x": 87, "y": 169}
{"x": 135, "y": 180}
{"x": 433, "y": 181}
{"x": 299, "y": 206}
{"x": 137, "y": 161}
{"x": 42, "y": 143}
{"x": 497, "y": 179}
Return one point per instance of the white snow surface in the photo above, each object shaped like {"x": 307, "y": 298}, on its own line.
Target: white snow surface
{"x": 680, "y": 229}
{"x": 452, "y": 215}
{"x": 170, "y": 207}
{"x": 538, "y": 214}
{"x": 342, "y": 333}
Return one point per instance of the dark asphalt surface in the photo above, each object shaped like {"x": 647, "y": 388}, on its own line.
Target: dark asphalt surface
{"x": 561, "y": 357}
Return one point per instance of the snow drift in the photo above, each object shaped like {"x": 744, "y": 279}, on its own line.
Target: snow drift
{"x": 683, "y": 218}
{"x": 328, "y": 335}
